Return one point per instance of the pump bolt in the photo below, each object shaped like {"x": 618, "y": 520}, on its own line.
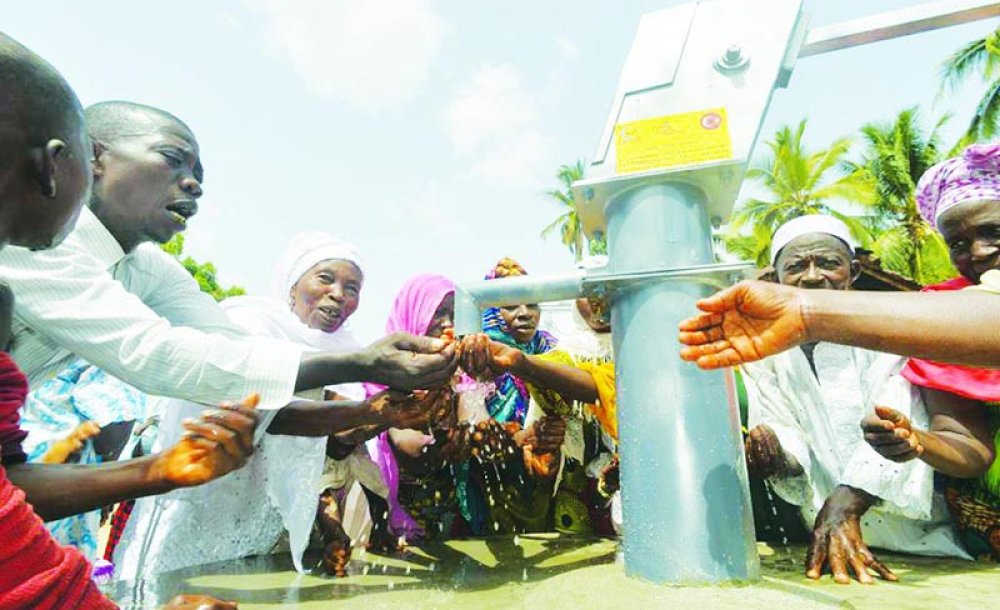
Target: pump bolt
{"x": 732, "y": 60}
{"x": 733, "y": 56}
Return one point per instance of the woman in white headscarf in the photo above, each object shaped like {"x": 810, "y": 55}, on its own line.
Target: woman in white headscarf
{"x": 318, "y": 285}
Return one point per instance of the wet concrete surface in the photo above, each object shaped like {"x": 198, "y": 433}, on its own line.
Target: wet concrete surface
{"x": 548, "y": 571}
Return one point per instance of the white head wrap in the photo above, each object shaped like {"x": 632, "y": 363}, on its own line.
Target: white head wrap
{"x": 804, "y": 225}
{"x": 305, "y": 251}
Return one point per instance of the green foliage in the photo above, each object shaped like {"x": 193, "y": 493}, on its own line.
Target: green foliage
{"x": 895, "y": 155}
{"x": 981, "y": 58}
{"x": 203, "y": 273}
{"x": 799, "y": 182}
{"x": 568, "y": 223}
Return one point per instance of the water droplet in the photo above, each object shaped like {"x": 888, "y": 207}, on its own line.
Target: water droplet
{"x": 524, "y": 574}
{"x": 391, "y": 585}
{"x": 364, "y": 570}
{"x": 496, "y": 525}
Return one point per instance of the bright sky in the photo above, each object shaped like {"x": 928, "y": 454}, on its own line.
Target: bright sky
{"x": 425, "y": 131}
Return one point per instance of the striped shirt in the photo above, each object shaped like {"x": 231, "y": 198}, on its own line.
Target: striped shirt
{"x": 141, "y": 317}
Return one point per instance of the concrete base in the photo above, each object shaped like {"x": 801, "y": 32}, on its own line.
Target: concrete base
{"x": 550, "y": 573}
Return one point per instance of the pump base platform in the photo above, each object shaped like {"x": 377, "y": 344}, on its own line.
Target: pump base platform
{"x": 550, "y": 572}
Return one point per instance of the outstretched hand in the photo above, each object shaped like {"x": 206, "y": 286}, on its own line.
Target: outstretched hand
{"x": 482, "y": 358}
{"x": 837, "y": 540}
{"x": 215, "y": 445}
{"x": 743, "y": 323}
{"x": 406, "y": 362}
{"x": 890, "y": 433}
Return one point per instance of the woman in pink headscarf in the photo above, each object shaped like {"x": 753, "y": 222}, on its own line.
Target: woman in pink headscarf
{"x": 421, "y": 489}
{"x": 961, "y": 199}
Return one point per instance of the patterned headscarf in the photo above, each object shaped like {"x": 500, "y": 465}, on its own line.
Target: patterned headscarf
{"x": 510, "y": 402}
{"x": 973, "y": 176}
{"x": 412, "y": 312}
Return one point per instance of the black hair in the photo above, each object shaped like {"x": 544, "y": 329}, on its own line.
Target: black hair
{"x": 36, "y": 102}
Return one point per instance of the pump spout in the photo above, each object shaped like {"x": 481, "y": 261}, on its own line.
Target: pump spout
{"x": 472, "y": 298}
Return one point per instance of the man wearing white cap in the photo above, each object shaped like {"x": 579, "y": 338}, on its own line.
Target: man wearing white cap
{"x": 805, "y": 406}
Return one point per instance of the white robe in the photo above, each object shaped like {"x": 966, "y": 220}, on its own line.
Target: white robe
{"x": 246, "y": 512}
{"x": 817, "y": 419}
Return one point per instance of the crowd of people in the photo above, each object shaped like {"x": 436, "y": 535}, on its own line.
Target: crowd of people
{"x": 197, "y": 431}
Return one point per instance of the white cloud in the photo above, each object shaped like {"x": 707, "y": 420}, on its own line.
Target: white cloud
{"x": 371, "y": 53}
{"x": 495, "y": 120}
{"x": 567, "y": 48}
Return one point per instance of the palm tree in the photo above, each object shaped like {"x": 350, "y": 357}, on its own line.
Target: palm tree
{"x": 896, "y": 155}
{"x": 981, "y": 57}
{"x": 568, "y": 223}
{"x": 800, "y": 182}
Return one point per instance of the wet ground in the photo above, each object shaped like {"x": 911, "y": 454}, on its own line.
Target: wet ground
{"x": 551, "y": 572}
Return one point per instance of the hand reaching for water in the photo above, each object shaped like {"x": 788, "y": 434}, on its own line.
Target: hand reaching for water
{"x": 482, "y": 358}
{"x": 407, "y": 362}
{"x": 418, "y": 410}
{"x": 890, "y": 433}
{"x": 215, "y": 445}
{"x": 743, "y": 323}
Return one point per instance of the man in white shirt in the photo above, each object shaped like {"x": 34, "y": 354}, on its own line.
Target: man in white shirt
{"x": 804, "y": 410}
{"x": 107, "y": 296}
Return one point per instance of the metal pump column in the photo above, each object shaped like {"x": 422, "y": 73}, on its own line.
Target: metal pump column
{"x": 684, "y": 491}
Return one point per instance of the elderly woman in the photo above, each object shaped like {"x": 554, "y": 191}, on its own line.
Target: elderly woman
{"x": 318, "y": 285}
{"x": 961, "y": 198}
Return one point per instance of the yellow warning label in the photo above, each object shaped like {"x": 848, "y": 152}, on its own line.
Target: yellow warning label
{"x": 676, "y": 139}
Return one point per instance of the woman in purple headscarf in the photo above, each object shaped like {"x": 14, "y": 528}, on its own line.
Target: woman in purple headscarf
{"x": 421, "y": 484}
{"x": 961, "y": 199}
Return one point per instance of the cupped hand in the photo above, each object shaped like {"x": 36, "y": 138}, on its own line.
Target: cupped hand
{"x": 837, "y": 541}
{"x": 482, "y": 358}
{"x": 546, "y": 435}
{"x": 890, "y": 433}
{"x": 743, "y": 323}
{"x": 418, "y": 410}
{"x": 406, "y": 362}
{"x": 199, "y": 602}
{"x": 765, "y": 457}
{"x": 218, "y": 443}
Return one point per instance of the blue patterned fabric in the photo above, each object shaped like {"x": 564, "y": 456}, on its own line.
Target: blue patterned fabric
{"x": 78, "y": 393}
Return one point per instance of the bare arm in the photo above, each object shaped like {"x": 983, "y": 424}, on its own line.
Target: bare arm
{"x": 400, "y": 361}
{"x": 63, "y": 490}
{"x": 214, "y": 445}
{"x": 958, "y": 327}
{"x": 753, "y": 320}
{"x": 569, "y": 382}
{"x": 309, "y": 418}
{"x": 959, "y": 442}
